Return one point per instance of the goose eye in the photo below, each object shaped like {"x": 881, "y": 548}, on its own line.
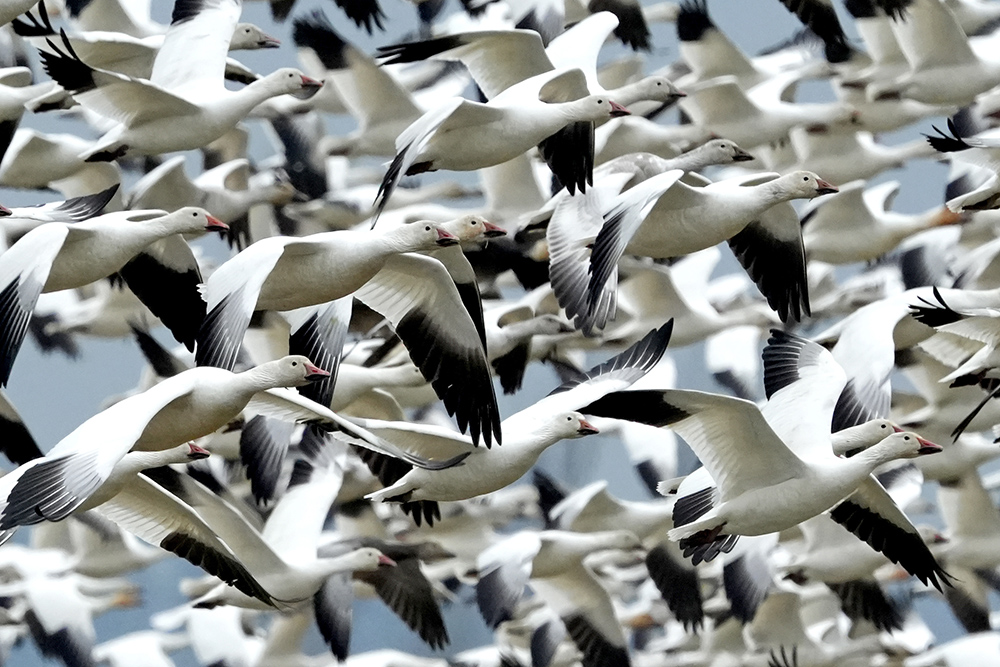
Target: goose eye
{"x": 427, "y": 228}
{"x": 805, "y": 178}
{"x": 906, "y": 437}
{"x": 294, "y": 364}
{"x": 882, "y": 426}
{"x": 600, "y": 101}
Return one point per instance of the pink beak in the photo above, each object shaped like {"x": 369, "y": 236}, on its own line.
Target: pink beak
{"x": 215, "y": 225}
{"x": 268, "y": 42}
{"x": 385, "y": 560}
{"x": 4, "y": 211}
{"x": 197, "y": 452}
{"x": 314, "y": 373}
{"x": 618, "y": 110}
{"x": 446, "y": 238}
{"x": 824, "y": 188}
{"x": 493, "y": 231}
{"x": 896, "y": 429}
{"x": 586, "y": 428}
{"x": 928, "y": 447}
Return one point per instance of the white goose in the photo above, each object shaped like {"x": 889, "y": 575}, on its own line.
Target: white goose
{"x": 944, "y": 68}
{"x": 664, "y": 217}
{"x": 228, "y": 190}
{"x": 461, "y": 135}
{"x": 775, "y": 488}
{"x": 283, "y": 557}
{"x": 184, "y": 104}
{"x": 180, "y": 408}
{"x": 415, "y": 293}
{"x": 499, "y": 61}
{"x": 759, "y": 116}
{"x": 856, "y": 224}
{"x": 529, "y": 433}
{"x": 121, "y": 475}
{"x": 143, "y": 246}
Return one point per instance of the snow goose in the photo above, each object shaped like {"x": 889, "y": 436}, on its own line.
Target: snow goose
{"x": 499, "y": 60}
{"x": 228, "y": 190}
{"x": 415, "y": 293}
{"x": 127, "y": 54}
{"x": 664, "y": 217}
{"x": 641, "y": 166}
{"x": 143, "y": 247}
{"x": 36, "y": 160}
{"x": 183, "y": 407}
{"x": 764, "y": 495}
{"x": 121, "y": 475}
{"x": 553, "y": 563}
{"x": 509, "y": 331}
{"x": 184, "y": 104}
{"x": 511, "y": 123}
{"x": 529, "y": 433}
{"x": 283, "y": 557}
{"x": 845, "y": 154}
{"x": 759, "y": 116}
{"x": 944, "y": 67}
{"x": 20, "y": 220}
{"x": 856, "y": 224}
{"x": 404, "y": 588}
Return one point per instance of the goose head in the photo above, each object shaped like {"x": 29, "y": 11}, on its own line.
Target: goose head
{"x": 185, "y": 453}
{"x": 423, "y": 235}
{"x": 660, "y": 89}
{"x": 247, "y": 36}
{"x": 806, "y": 185}
{"x": 193, "y": 220}
{"x": 293, "y": 82}
{"x": 470, "y": 228}
{"x": 857, "y": 438}
{"x": 724, "y": 151}
{"x": 367, "y": 559}
{"x": 294, "y": 370}
{"x": 573, "y": 425}
{"x": 907, "y": 445}
{"x": 599, "y": 107}
{"x": 193, "y": 452}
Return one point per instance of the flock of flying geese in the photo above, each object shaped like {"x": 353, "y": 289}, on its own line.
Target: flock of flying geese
{"x": 328, "y": 425}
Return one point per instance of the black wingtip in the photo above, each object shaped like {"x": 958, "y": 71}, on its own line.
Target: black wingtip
{"x": 693, "y": 21}
{"x": 314, "y": 31}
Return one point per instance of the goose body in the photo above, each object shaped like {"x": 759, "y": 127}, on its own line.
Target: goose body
{"x": 184, "y": 104}
{"x": 57, "y": 256}
{"x": 416, "y": 293}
